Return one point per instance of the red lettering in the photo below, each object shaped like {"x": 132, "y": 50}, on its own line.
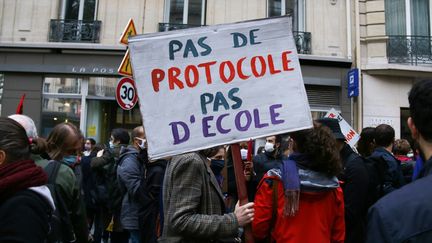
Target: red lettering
{"x": 271, "y": 65}
{"x": 350, "y": 135}
{"x": 331, "y": 115}
{"x": 207, "y": 65}
{"x": 157, "y": 76}
{"x": 173, "y": 74}
{"x": 254, "y": 66}
{"x": 239, "y": 69}
{"x": 286, "y": 61}
{"x": 222, "y": 71}
{"x": 195, "y": 76}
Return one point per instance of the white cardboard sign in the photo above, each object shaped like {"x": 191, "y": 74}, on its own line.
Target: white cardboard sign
{"x": 350, "y": 134}
{"x": 220, "y": 84}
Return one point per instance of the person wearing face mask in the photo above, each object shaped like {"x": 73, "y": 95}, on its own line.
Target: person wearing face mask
{"x": 217, "y": 163}
{"x": 193, "y": 203}
{"x": 104, "y": 166}
{"x": 270, "y": 159}
{"x": 64, "y": 143}
{"x": 130, "y": 175}
{"x": 88, "y": 146}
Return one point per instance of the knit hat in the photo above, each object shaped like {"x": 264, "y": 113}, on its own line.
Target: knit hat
{"x": 333, "y": 124}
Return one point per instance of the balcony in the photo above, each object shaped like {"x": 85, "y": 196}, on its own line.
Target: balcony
{"x": 303, "y": 40}
{"x": 65, "y": 30}
{"x": 412, "y": 50}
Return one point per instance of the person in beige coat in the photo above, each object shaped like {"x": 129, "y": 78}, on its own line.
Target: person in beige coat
{"x": 193, "y": 203}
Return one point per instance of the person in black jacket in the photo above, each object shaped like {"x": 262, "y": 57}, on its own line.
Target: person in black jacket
{"x": 405, "y": 215}
{"x": 25, "y": 202}
{"x": 355, "y": 186}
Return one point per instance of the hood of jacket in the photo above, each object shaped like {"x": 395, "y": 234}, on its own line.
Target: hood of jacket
{"x": 311, "y": 181}
{"x": 45, "y": 193}
{"x": 129, "y": 150}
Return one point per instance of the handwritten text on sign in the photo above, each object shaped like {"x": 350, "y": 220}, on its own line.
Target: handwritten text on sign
{"x": 220, "y": 84}
{"x": 350, "y": 134}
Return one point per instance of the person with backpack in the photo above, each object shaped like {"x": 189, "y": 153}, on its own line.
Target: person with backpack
{"x": 104, "y": 165}
{"x": 302, "y": 201}
{"x": 383, "y": 157}
{"x": 26, "y": 204}
{"x": 355, "y": 185}
{"x": 64, "y": 146}
{"x": 130, "y": 176}
{"x": 405, "y": 215}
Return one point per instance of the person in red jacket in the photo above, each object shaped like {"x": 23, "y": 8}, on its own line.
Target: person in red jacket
{"x": 302, "y": 201}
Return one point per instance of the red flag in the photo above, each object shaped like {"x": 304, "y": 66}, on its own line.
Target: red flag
{"x": 20, "y": 107}
{"x": 250, "y": 150}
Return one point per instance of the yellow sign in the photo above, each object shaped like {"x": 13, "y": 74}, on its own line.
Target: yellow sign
{"x": 128, "y": 31}
{"x": 91, "y": 131}
{"x": 125, "y": 68}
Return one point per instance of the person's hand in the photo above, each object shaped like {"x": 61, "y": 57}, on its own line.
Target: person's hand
{"x": 245, "y": 214}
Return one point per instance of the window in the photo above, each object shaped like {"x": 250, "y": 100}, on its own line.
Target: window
{"x": 294, "y": 8}
{"x": 1, "y": 89}
{"x": 87, "y": 102}
{"x": 80, "y": 10}
{"x": 408, "y": 17}
{"x": 191, "y": 12}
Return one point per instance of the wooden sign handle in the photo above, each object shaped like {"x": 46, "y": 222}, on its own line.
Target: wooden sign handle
{"x": 241, "y": 186}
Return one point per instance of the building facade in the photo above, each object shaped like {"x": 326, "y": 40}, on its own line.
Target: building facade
{"x": 64, "y": 55}
{"x": 395, "y": 50}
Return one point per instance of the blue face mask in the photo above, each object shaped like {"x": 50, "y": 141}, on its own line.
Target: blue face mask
{"x": 70, "y": 159}
{"x": 217, "y": 166}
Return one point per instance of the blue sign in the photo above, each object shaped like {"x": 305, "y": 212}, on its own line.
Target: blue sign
{"x": 353, "y": 83}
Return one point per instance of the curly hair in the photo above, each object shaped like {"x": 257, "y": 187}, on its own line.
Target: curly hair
{"x": 319, "y": 145}
{"x": 401, "y": 147}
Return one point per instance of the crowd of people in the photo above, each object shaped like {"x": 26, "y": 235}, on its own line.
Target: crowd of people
{"x": 304, "y": 186}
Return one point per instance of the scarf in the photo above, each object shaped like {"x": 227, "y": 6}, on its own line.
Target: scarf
{"x": 291, "y": 183}
{"x": 17, "y": 176}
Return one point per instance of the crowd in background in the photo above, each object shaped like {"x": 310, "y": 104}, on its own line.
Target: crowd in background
{"x": 304, "y": 186}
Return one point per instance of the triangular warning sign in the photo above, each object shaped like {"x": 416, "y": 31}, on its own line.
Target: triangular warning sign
{"x": 125, "y": 68}
{"x": 128, "y": 31}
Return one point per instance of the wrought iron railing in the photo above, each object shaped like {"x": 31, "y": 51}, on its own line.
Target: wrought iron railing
{"x": 303, "y": 40}
{"x": 65, "y": 30}
{"x": 411, "y": 50}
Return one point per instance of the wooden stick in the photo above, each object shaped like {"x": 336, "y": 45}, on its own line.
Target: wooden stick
{"x": 241, "y": 186}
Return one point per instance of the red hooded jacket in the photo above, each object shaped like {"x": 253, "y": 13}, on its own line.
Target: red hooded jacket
{"x": 320, "y": 217}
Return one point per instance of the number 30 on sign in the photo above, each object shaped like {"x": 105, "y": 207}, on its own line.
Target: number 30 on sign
{"x": 126, "y": 95}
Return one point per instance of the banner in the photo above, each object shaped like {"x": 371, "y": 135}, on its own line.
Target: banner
{"x": 350, "y": 134}
{"x": 220, "y": 84}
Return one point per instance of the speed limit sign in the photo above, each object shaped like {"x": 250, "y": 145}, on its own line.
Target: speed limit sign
{"x": 126, "y": 95}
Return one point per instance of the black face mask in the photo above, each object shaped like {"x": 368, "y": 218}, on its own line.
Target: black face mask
{"x": 217, "y": 165}
{"x": 143, "y": 156}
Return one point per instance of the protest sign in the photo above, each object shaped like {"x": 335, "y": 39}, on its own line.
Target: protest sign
{"x": 220, "y": 84}
{"x": 350, "y": 134}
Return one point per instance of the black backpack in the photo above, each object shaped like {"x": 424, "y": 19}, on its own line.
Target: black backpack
{"x": 376, "y": 168}
{"x": 61, "y": 229}
{"x": 115, "y": 195}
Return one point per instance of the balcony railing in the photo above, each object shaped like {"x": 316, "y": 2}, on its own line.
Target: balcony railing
{"x": 303, "y": 40}
{"x": 411, "y": 50}
{"x": 65, "y": 30}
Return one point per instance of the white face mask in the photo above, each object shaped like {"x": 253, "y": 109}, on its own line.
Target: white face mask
{"x": 269, "y": 147}
{"x": 142, "y": 144}
{"x": 243, "y": 153}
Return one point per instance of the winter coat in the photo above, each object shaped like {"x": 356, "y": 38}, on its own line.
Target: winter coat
{"x": 193, "y": 203}
{"x": 264, "y": 162}
{"x": 321, "y": 211}
{"x": 25, "y": 215}
{"x": 393, "y": 178}
{"x": 404, "y": 215}
{"x": 355, "y": 188}
{"x": 71, "y": 194}
{"x": 129, "y": 174}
